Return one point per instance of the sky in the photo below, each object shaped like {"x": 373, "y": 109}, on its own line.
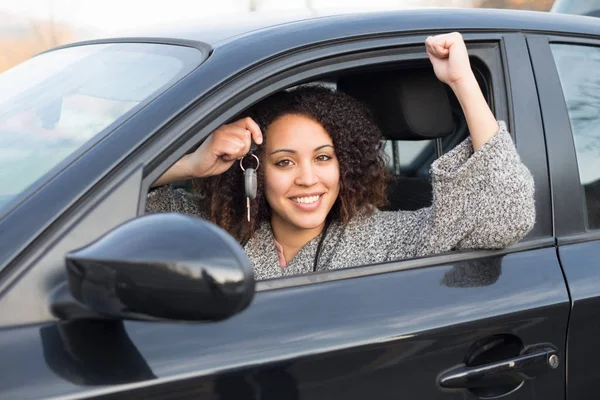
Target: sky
{"x": 119, "y": 15}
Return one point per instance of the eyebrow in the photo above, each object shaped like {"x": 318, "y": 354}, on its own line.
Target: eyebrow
{"x": 294, "y": 151}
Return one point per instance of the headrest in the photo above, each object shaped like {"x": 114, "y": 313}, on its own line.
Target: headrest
{"x": 407, "y": 105}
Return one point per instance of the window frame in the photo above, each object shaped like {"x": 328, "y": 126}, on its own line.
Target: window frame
{"x": 328, "y": 61}
{"x": 567, "y": 191}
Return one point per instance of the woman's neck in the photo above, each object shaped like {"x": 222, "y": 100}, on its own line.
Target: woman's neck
{"x": 292, "y": 238}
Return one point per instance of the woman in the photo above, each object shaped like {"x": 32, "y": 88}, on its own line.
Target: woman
{"x": 321, "y": 178}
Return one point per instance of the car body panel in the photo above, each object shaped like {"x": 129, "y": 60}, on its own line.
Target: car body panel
{"x": 384, "y": 335}
{"x": 581, "y": 264}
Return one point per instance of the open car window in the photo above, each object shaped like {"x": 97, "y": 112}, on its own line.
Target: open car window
{"x": 54, "y": 103}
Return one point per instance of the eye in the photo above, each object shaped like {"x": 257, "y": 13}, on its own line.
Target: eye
{"x": 324, "y": 157}
{"x": 283, "y": 163}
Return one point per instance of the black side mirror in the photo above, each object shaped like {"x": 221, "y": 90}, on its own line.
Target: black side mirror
{"x": 162, "y": 266}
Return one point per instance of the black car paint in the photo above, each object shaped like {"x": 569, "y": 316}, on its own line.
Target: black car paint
{"x": 386, "y": 335}
{"x": 582, "y": 272}
{"x": 356, "y": 337}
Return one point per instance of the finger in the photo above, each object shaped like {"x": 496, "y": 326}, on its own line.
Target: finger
{"x": 442, "y": 50}
{"x": 431, "y": 56}
{"x": 236, "y": 131}
{"x": 230, "y": 149}
{"x": 242, "y": 134}
{"x": 429, "y": 48}
{"x": 453, "y": 39}
{"x": 226, "y": 140}
{"x": 233, "y": 130}
{"x": 240, "y": 147}
{"x": 429, "y": 44}
{"x": 448, "y": 37}
{"x": 432, "y": 45}
{"x": 252, "y": 126}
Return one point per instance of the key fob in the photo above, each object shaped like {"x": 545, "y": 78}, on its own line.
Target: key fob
{"x": 250, "y": 183}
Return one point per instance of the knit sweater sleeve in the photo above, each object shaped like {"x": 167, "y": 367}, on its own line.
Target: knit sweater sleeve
{"x": 168, "y": 199}
{"x": 481, "y": 199}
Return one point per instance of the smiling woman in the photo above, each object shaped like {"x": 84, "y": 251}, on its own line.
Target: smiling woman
{"x": 302, "y": 180}
{"x": 322, "y": 179}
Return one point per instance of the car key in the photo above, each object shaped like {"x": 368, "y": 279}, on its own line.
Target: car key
{"x": 250, "y": 185}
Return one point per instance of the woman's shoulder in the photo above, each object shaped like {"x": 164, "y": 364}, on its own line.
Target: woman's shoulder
{"x": 169, "y": 199}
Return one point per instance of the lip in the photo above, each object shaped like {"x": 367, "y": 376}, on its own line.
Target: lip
{"x": 309, "y": 206}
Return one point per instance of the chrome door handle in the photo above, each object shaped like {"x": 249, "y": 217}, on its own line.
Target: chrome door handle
{"x": 521, "y": 368}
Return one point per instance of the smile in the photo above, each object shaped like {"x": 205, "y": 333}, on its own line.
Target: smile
{"x": 306, "y": 200}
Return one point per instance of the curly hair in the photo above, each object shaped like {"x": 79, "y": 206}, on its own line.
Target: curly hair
{"x": 357, "y": 141}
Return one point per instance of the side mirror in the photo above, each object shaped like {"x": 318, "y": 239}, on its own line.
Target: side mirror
{"x": 165, "y": 267}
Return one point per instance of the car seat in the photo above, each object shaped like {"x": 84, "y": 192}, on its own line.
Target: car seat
{"x": 407, "y": 105}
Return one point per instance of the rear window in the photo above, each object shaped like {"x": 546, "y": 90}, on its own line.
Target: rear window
{"x": 579, "y": 71}
{"x": 54, "y": 103}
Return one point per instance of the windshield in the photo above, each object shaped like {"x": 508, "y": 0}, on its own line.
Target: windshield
{"x": 54, "y": 103}
{"x": 579, "y": 7}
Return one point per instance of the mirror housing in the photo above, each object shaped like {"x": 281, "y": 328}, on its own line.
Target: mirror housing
{"x": 162, "y": 267}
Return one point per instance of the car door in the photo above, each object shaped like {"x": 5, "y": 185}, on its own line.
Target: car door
{"x": 452, "y": 326}
{"x": 571, "y": 67}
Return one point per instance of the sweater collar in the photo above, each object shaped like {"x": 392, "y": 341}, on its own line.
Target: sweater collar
{"x": 263, "y": 254}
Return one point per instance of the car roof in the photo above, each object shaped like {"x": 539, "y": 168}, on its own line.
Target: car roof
{"x": 225, "y": 29}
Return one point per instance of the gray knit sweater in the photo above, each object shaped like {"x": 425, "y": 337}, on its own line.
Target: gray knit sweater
{"x": 480, "y": 200}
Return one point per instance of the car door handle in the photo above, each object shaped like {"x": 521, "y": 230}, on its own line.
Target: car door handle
{"x": 523, "y": 367}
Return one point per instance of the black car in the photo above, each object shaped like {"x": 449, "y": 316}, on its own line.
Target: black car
{"x": 98, "y": 300}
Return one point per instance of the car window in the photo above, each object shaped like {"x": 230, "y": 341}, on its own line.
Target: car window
{"x": 410, "y": 156}
{"x": 579, "y": 71}
{"x": 55, "y": 102}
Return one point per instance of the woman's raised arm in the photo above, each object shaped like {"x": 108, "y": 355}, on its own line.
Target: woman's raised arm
{"x": 450, "y": 60}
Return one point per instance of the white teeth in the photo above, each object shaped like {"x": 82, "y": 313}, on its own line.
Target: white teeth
{"x": 306, "y": 200}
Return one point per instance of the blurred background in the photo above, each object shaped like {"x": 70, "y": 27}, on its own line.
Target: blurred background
{"x": 28, "y": 27}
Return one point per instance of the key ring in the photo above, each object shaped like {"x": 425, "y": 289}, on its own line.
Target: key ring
{"x": 257, "y": 162}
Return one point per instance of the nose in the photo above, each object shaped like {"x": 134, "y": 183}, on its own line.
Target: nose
{"x": 307, "y": 176}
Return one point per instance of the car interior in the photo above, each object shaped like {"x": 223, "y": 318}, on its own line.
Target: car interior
{"x": 419, "y": 116}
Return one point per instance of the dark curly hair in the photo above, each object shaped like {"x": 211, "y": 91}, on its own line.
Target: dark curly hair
{"x": 357, "y": 141}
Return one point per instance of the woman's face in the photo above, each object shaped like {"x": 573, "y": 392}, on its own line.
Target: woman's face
{"x": 302, "y": 174}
